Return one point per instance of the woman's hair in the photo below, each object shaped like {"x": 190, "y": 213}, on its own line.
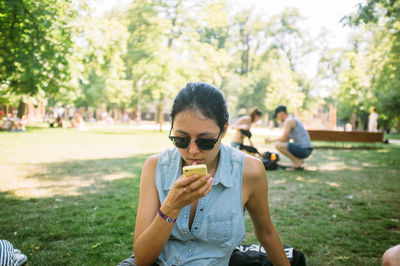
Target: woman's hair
{"x": 254, "y": 112}
{"x": 202, "y": 97}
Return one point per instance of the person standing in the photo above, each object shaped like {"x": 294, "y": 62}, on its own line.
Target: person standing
{"x": 293, "y": 129}
{"x": 373, "y": 121}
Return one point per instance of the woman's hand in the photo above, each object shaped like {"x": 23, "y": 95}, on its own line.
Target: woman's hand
{"x": 186, "y": 190}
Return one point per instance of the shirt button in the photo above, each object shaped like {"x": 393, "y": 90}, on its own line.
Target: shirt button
{"x": 190, "y": 250}
{"x": 185, "y": 232}
{"x": 179, "y": 262}
{"x": 201, "y": 209}
{"x": 185, "y": 216}
{"x": 196, "y": 228}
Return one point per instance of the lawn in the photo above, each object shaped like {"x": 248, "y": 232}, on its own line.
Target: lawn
{"x": 69, "y": 197}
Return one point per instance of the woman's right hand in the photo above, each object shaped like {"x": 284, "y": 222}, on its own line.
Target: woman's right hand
{"x": 186, "y": 190}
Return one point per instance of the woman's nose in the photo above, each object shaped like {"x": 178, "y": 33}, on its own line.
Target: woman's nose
{"x": 193, "y": 148}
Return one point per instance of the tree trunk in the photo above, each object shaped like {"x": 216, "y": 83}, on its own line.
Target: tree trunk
{"x": 160, "y": 108}
{"x": 332, "y": 117}
{"x": 21, "y": 108}
{"x": 139, "y": 85}
{"x": 360, "y": 125}
{"x": 397, "y": 124}
{"x": 160, "y": 116}
{"x": 353, "y": 121}
{"x": 117, "y": 114}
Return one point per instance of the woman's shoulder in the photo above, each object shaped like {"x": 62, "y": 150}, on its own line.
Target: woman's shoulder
{"x": 152, "y": 161}
{"x": 254, "y": 180}
{"x": 253, "y": 168}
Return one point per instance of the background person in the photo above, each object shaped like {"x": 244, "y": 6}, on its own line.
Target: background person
{"x": 10, "y": 256}
{"x": 200, "y": 220}
{"x": 373, "y": 121}
{"x": 243, "y": 125}
{"x": 293, "y": 129}
{"x": 22, "y": 123}
{"x": 77, "y": 122}
{"x": 391, "y": 257}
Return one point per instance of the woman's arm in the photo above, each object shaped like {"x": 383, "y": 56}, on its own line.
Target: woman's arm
{"x": 255, "y": 186}
{"x": 151, "y": 231}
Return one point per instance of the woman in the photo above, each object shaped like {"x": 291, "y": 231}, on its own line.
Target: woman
{"x": 199, "y": 220}
{"x": 243, "y": 125}
{"x": 373, "y": 121}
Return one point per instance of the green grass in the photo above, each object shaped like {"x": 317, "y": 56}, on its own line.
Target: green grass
{"x": 392, "y": 136}
{"x": 69, "y": 197}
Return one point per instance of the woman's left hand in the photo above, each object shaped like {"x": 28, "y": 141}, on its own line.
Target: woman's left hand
{"x": 186, "y": 190}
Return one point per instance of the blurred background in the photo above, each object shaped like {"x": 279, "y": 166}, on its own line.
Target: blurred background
{"x": 330, "y": 62}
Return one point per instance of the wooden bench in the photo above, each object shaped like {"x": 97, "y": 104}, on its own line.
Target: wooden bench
{"x": 346, "y": 136}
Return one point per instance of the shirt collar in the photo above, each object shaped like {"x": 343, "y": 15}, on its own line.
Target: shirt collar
{"x": 222, "y": 176}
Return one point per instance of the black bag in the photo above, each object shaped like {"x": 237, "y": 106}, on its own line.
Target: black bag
{"x": 244, "y": 255}
{"x": 252, "y": 255}
{"x": 270, "y": 160}
{"x": 248, "y": 149}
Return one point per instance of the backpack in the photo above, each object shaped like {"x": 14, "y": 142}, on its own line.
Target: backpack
{"x": 270, "y": 160}
{"x": 254, "y": 254}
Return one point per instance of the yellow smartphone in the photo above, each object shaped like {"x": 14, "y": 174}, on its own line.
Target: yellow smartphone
{"x": 199, "y": 169}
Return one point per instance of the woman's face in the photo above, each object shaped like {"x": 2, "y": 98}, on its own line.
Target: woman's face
{"x": 193, "y": 124}
{"x": 256, "y": 118}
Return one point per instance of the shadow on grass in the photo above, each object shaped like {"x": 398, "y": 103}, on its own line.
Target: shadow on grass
{"x": 38, "y": 128}
{"x": 90, "y": 229}
{"x": 92, "y": 226}
{"x": 347, "y": 145}
{"x": 84, "y": 169}
{"x": 113, "y": 131}
{"x": 31, "y": 129}
{"x": 75, "y": 177}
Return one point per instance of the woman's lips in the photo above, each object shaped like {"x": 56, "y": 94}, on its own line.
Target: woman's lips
{"x": 195, "y": 161}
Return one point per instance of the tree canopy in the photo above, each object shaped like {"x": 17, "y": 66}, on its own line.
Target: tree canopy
{"x": 35, "y": 39}
{"x": 136, "y": 57}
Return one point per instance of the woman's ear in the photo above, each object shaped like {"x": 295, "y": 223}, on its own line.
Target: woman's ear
{"x": 225, "y": 130}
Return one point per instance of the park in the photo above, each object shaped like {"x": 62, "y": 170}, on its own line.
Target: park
{"x": 69, "y": 197}
{"x": 86, "y": 95}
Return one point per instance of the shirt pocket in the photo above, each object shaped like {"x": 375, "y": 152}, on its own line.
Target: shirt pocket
{"x": 220, "y": 228}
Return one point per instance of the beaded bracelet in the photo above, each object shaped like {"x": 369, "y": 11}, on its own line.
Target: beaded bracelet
{"x": 165, "y": 217}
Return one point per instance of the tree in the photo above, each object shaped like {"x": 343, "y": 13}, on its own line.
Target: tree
{"x": 146, "y": 35}
{"x": 99, "y": 74}
{"x": 385, "y": 80}
{"x": 35, "y": 37}
{"x": 268, "y": 59}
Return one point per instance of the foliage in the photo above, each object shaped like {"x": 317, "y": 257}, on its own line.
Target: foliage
{"x": 141, "y": 56}
{"x": 99, "y": 72}
{"x": 150, "y": 59}
{"x": 35, "y": 37}
{"x": 385, "y": 16}
{"x": 137, "y": 57}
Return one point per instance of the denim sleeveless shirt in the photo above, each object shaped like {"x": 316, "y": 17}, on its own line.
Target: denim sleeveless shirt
{"x": 218, "y": 226}
{"x": 300, "y": 135}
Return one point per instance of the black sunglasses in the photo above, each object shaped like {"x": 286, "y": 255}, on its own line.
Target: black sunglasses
{"x": 203, "y": 144}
